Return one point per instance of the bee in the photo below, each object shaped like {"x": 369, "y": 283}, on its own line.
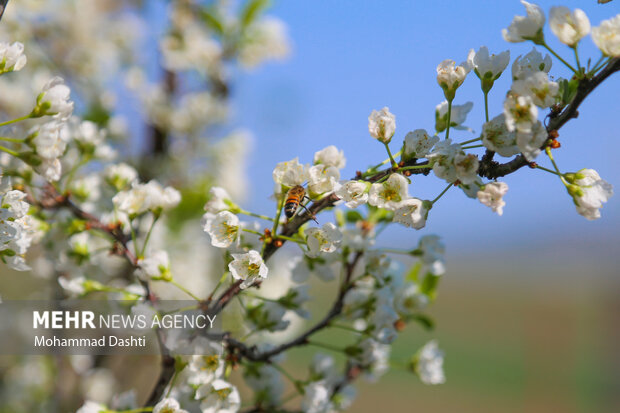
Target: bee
{"x": 294, "y": 199}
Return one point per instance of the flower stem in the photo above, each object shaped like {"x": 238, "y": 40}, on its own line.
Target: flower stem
{"x": 441, "y": 194}
{"x": 346, "y": 328}
{"x": 599, "y": 64}
{"x": 547, "y": 170}
{"x": 470, "y": 141}
{"x": 251, "y": 231}
{"x": 486, "y": 105}
{"x": 148, "y": 235}
{"x": 8, "y": 122}
{"x": 325, "y": 346}
{"x": 252, "y": 214}
{"x": 217, "y": 286}
{"x": 296, "y": 383}
{"x": 276, "y": 221}
{"x": 387, "y": 148}
{"x": 405, "y": 168}
{"x": 546, "y": 46}
{"x": 555, "y": 166}
{"x": 577, "y": 57}
{"x": 6, "y": 138}
{"x": 9, "y": 151}
{"x": 472, "y": 146}
{"x": 299, "y": 241}
{"x": 449, "y": 115}
{"x": 185, "y": 290}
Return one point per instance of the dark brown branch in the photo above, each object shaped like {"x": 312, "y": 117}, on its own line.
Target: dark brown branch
{"x": 250, "y": 353}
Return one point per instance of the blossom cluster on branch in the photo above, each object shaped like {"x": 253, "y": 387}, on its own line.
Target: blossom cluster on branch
{"x": 62, "y": 183}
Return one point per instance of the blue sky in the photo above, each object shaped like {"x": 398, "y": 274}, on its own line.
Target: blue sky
{"x": 350, "y": 57}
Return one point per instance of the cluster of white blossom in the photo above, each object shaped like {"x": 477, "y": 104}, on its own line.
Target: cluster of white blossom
{"x": 56, "y": 190}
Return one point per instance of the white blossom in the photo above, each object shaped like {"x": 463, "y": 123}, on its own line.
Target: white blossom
{"x": 429, "y": 364}
{"x": 264, "y": 39}
{"x": 223, "y": 229}
{"x": 207, "y": 366}
{"x": 12, "y": 57}
{"x": 521, "y": 113}
{"x": 248, "y": 267}
{"x": 589, "y": 192}
{"x": 219, "y": 397}
{"x": 458, "y": 115}
{"x": 151, "y": 196}
{"x": 120, "y": 175}
{"x": 418, "y": 144}
{"x": 353, "y": 193}
{"x": 325, "y": 239}
{"x": 382, "y": 125}
{"x": 54, "y": 99}
{"x": 531, "y": 63}
{"x": 389, "y": 193}
{"x": 491, "y": 195}
{"x": 317, "y": 398}
{"x": 322, "y": 178}
{"x": 168, "y": 405}
{"x": 50, "y": 169}
{"x": 450, "y": 76}
{"x": 408, "y": 300}
{"x": 74, "y": 286}
{"x": 375, "y": 357}
{"x": 488, "y": 67}
{"x": 528, "y": 27}
{"x": 219, "y": 200}
{"x": 155, "y": 265}
{"x": 607, "y": 36}
{"x": 538, "y": 87}
{"x": 569, "y": 27}
{"x": 442, "y": 159}
{"x": 91, "y": 407}
{"x": 432, "y": 255}
{"x": 330, "y": 156}
{"x": 411, "y": 212}
{"x": 14, "y": 201}
{"x": 50, "y": 140}
{"x": 290, "y": 173}
{"x": 496, "y": 137}
{"x": 466, "y": 167}
{"x": 529, "y": 143}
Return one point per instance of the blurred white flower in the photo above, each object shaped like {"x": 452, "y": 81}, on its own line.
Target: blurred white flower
{"x": 219, "y": 200}
{"x": 606, "y": 36}
{"x": 538, "y": 87}
{"x": 155, "y": 265}
{"x": 496, "y": 137}
{"x": 54, "y": 100}
{"x": 120, "y": 175}
{"x": 531, "y": 63}
{"x": 168, "y": 405}
{"x": 520, "y": 112}
{"x": 429, "y": 364}
{"x": 569, "y": 27}
{"x": 419, "y": 143}
{"x": 12, "y": 57}
{"x": 265, "y": 39}
{"x": 50, "y": 140}
{"x": 491, "y": 195}
{"x": 90, "y": 406}
{"x": 432, "y": 255}
{"x": 528, "y": 27}
{"x": 529, "y": 143}
{"x": 144, "y": 197}
{"x": 218, "y": 397}
{"x": 330, "y": 156}
{"x": 317, "y": 398}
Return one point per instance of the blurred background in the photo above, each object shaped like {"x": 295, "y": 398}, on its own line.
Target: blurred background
{"x": 528, "y": 311}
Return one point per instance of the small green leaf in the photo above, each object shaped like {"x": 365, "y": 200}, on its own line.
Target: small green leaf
{"x": 251, "y": 11}
{"x": 212, "y": 21}
{"x": 353, "y": 216}
{"x": 429, "y": 285}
